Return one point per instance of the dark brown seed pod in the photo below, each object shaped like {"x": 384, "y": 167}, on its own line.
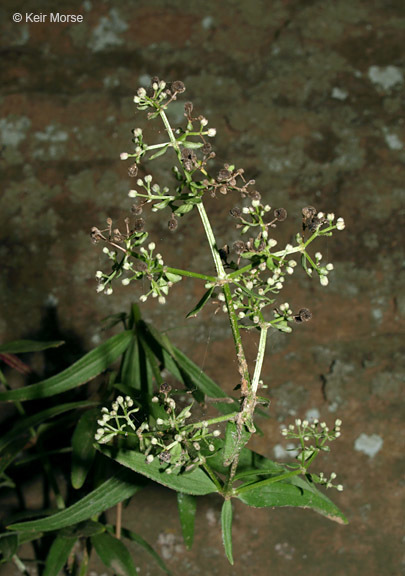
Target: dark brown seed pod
{"x": 280, "y": 214}
{"x": 172, "y": 224}
{"x": 224, "y": 175}
{"x": 133, "y": 170}
{"x": 188, "y": 108}
{"x": 206, "y": 149}
{"x": 308, "y": 212}
{"x": 136, "y": 209}
{"x": 304, "y": 315}
{"x": 165, "y": 388}
{"x": 255, "y": 195}
{"x": 139, "y": 224}
{"x": 165, "y": 456}
{"x": 177, "y": 86}
{"x": 239, "y": 247}
{"x": 235, "y": 212}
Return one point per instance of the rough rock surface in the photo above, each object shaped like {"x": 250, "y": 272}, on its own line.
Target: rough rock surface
{"x": 308, "y": 97}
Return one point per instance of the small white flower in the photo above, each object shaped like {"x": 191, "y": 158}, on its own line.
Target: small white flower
{"x": 339, "y": 487}
{"x": 162, "y": 300}
{"x": 137, "y": 132}
{"x": 324, "y": 280}
{"x": 318, "y": 256}
{"x": 159, "y": 421}
{"x": 143, "y": 298}
{"x": 340, "y": 224}
{"x": 292, "y": 263}
{"x": 155, "y": 86}
{"x": 150, "y": 458}
{"x": 204, "y": 121}
{"x": 329, "y": 266}
{"x": 151, "y": 246}
{"x": 99, "y": 274}
{"x": 211, "y": 447}
{"x": 211, "y": 132}
{"x": 267, "y": 208}
{"x": 132, "y": 193}
{"x": 125, "y": 281}
{"x": 255, "y": 203}
{"x": 289, "y": 270}
{"x": 245, "y": 210}
{"x": 139, "y": 182}
{"x": 124, "y": 156}
{"x": 330, "y": 216}
{"x": 320, "y": 215}
{"x": 108, "y": 292}
{"x": 241, "y": 315}
{"x": 338, "y": 422}
{"x": 298, "y": 422}
{"x": 148, "y": 178}
{"x": 216, "y": 433}
{"x": 141, "y": 92}
{"x": 279, "y": 285}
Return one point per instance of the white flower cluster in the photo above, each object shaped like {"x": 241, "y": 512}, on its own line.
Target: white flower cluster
{"x": 114, "y": 421}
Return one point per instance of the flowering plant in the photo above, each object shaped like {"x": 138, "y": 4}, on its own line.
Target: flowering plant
{"x": 145, "y": 423}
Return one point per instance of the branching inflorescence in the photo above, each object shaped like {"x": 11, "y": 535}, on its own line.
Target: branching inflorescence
{"x": 247, "y": 281}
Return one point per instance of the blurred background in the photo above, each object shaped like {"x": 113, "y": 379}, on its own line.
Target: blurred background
{"x": 307, "y": 96}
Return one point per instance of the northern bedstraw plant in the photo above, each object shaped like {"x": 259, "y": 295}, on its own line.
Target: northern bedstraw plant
{"x": 106, "y": 441}
{"x": 247, "y": 283}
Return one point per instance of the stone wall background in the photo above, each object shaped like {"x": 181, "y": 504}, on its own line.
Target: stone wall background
{"x": 307, "y": 96}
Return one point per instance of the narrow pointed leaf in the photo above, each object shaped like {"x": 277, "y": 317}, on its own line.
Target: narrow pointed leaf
{"x": 195, "y": 482}
{"x": 187, "y": 505}
{"x": 8, "y": 546}
{"x": 226, "y": 521}
{"x": 85, "y": 369}
{"x": 22, "y": 427}
{"x": 23, "y": 346}
{"x": 58, "y": 555}
{"x": 114, "y": 554}
{"x": 134, "y": 537}
{"x": 292, "y": 492}
{"x": 83, "y": 451}
{"x": 130, "y": 369}
{"x": 200, "y": 305}
{"x": 122, "y": 485}
{"x": 160, "y": 153}
{"x": 235, "y": 440}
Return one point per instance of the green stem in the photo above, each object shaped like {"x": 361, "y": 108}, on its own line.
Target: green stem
{"x": 190, "y": 274}
{"x": 259, "y": 359}
{"x": 272, "y": 480}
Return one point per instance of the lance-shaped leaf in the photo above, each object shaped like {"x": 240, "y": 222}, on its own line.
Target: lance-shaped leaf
{"x": 83, "y": 451}
{"x": 187, "y": 505}
{"x": 293, "y": 491}
{"x": 200, "y": 305}
{"x": 195, "y": 482}
{"x": 23, "y": 346}
{"x": 122, "y": 485}
{"x": 23, "y": 426}
{"x": 85, "y": 369}
{"x": 114, "y": 554}
{"x": 134, "y": 537}
{"x": 58, "y": 554}
{"x": 226, "y": 521}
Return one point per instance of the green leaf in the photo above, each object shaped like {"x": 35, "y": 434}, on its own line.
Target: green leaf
{"x": 8, "y": 546}
{"x": 226, "y": 520}
{"x": 234, "y": 441}
{"x": 183, "y": 209}
{"x": 58, "y": 555}
{"x": 11, "y": 452}
{"x": 192, "y": 145}
{"x": 83, "y": 451}
{"x": 195, "y": 482}
{"x": 187, "y": 505}
{"x": 23, "y": 426}
{"x": 159, "y": 153}
{"x": 85, "y": 369}
{"x": 23, "y": 346}
{"x": 294, "y": 491}
{"x": 145, "y": 545}
{"x": 130, "y": 367}
{"x": 114, "y": 554}
{"x": 201, "y": 303}
{"x": 122, "y": 485}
